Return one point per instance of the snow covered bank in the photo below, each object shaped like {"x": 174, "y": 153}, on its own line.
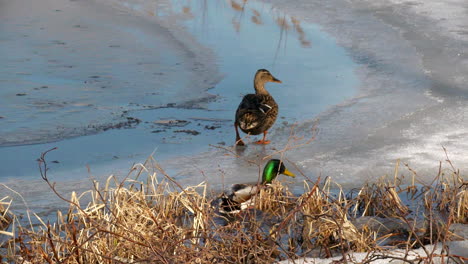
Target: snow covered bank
{"x": 395, "y": 257}
{"x": 413, "y": 58}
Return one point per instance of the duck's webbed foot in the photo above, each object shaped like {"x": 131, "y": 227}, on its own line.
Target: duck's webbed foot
{"x": 263, "y": 140}
{"x": 239, "y": 141}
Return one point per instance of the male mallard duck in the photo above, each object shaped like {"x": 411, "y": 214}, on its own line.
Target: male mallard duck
{"x": 241, "y": 194}
{"x": 257, "y": 112}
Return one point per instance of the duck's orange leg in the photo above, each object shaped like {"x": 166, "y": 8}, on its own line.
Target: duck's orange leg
{"x": 263, "y": 141}
{"x": 239, "y": 141}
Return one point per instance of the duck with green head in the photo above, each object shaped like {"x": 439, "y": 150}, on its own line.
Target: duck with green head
{"x": 257, "y": 112}
{"x": 241, "y": 195}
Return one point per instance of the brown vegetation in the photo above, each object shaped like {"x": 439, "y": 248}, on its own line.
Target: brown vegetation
{"x": 152, "y": 219}
{"x": 5, "y": 218}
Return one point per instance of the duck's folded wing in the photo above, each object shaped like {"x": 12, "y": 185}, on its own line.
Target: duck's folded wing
{"x": 243, "y": 192}
{"x": 248, "y": 120}
{"x": 255, "y": 104}
{"x": 252, "y": 111}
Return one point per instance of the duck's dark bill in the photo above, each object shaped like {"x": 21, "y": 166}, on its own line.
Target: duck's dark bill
{"x": 276, "y": 80}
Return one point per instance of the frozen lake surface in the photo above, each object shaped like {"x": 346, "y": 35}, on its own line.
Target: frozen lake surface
{"x": 101, "y": 79}
{"x": 156, "y": 89}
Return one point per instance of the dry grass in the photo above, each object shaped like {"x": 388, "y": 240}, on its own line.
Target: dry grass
{"x": 5, "y": 215}
{"x": 325, "y": 222}
{"x": 150, "y": 218}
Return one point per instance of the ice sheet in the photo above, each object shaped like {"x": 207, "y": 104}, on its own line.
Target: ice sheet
{"x": 73, "y": 68}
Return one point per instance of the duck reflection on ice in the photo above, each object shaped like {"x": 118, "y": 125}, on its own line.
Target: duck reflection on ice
{"x": 241, "y": 17}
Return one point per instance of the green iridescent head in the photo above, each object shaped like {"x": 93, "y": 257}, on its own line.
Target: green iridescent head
{"x": 273, "y": 168}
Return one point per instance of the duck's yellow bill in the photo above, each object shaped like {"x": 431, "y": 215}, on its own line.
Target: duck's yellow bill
{"x": 288, "y": 173}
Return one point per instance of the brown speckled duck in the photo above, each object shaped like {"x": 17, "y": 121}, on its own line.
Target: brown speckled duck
{"x": 257, "y": 112}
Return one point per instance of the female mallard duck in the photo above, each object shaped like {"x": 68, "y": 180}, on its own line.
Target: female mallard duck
{"x": 241, "y": 195}
{"x": 257, "y": 112}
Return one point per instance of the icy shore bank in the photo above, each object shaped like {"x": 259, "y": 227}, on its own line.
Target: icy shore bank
{"x": 413, "y": 58}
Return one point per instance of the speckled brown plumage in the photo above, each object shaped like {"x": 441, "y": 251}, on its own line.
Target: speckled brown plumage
{"x": 257, "y": 112}
{"x": 254, "y": 116}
